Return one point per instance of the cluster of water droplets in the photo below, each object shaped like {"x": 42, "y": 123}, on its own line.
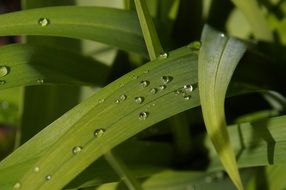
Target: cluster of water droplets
{"x": 185, "y": 91}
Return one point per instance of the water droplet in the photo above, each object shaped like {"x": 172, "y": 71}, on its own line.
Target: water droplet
{"x": 163, "y": 55}
{"x": 98, "y": 133}
{"x": 76, "y": 150}
{"x": 100, "y": 101}
{"x": 187, "y": 97}
{"x": 166, "y": 79}
{"x": 222, "y": 35}
{"x": 139, "y": 100}
{"x": 146, "y": 71}
{"x": 196, "y": 45}
{"x": 40, "y": 81}
{"x": 43, "y": 22}
{"x": 17, "y": 185}
{"x": 143, "y": 115}
{"x": 4, "y": 70}
{"x": 117, "y": 101}
{"x": 2, "y": 82}
{"x": 48, "y": 177}
{"x": 36, "y": 169}
{"x": 123, "y": 97}
{"x": 188, "y": 88}
{"x": 144, "y": 83}
{"x": 162, "y": 87}
{"x": 153, "y": 90}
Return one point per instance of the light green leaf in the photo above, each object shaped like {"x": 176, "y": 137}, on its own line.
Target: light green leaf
{"x": 115, "y": 27}
{"x": 218, "y": 58}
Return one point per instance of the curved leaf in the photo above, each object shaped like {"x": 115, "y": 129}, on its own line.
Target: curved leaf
{"x": 36, "y": 65}
{"x": 218, "y": 58}
{"x": 115, "y": 27}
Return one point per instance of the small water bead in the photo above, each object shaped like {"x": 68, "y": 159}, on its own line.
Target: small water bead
{"x": 143, "y": 115}
{"x": 164, "y": 55}
{"x": 123, "y": 97}
{"x": 222, "y": 35}
{"x": 43, "y": 22}
{"x": 2, "y": 82}
{"x": 146, "y": 71}
{"x": 166, "y": 79}
{"x": 153, "y": 90}
{"x": 40, "y": 81}
{"x": 17, "y": 185}
{"x": 187, "y": 97}
{"x": 48, "y": 177}
{"x": 4, "y": 70}
{"x": 162, "y": 87}
{"x": 76, "y": 150}
{"x": 117, "y": 101}
{"x": 98, "y": 133}
{"x": 188, "y": 88}
{"x": 139, "y": 100}
{"x": 100, "y": 101}
{"x": 144, "y": 83}
{"x": 36, "y": 169}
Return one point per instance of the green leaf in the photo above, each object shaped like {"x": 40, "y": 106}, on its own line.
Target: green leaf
{"x": 218, "y": 58}
{"x": 149, "y": 31}
{"x": 37, "y": 65}
{"x": 115, "y": 27}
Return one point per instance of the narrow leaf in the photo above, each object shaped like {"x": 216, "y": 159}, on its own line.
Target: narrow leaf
{"x": 149, "y": 31}
{"x": 218, "y": 58}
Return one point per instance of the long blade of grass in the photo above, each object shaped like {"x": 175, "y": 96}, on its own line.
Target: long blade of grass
{"x": 149, "y": 31}
{"x": 115, "y": 27}
{"x": 218, "y": 58}
{"x": 41, "y": 65}
{"x": 253, "y": 13}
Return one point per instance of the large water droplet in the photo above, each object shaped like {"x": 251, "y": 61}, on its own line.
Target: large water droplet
{"x": 48, "y": 177}
{"x": 196, "y": 45}
{"x": 43, "y": 22}
{"x": 153, "y": 90}
{"x": 164, "y": 55}
{"x": 123, "y": 97}
{"x": 98, "y": 132}
{"x": 166, "y": 79}
{"x": 36, "y": 169}
{"x": 143, "y": 115}
{"x": 139, "y": 100}
{"x": 188, "y": 88}
{"x": 162, "y": 87}
{"x": 2, "y": 82}
{"x": 17, "y": 185}
{"x": 76, "y": 150}
{"x": 40, "y": 81}
{"x": 4, "y": 70}
{"x": 144, "y": 83}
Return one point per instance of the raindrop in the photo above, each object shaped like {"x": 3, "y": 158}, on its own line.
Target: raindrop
{"x": 143, "y": 115}
{"x": 4, "y": 70}
{"x": 144, "y": 83}
{"x": 17, "y": 185}
{"x": 196, "y": 45}
{"x": 153, "y": 90}
{"x": 139, "y": 100}
{"x": 187, "y": 97}
{"x": 123, "y": 97}
{"x": 98, "y": 133}
{"x": 48, "y": 177}
{"x": 76, "y": 150}
{"x": 100, "y": 101}
{"x": 188, "y": 88}
{"x": 40, "y": 81}
{"x": 166, "y": 79}
{"x": 164, "y": 55}
{"x": 2, "y": 82}
{"x": 36, "y": 169}
{"x": 117, "y": 101}
{"x": 162, "y": 87}
{"x": 43, "y": 22}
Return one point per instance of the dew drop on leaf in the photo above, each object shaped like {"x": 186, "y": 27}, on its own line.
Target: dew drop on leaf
{"x": 48, "y": 177}
{"x": 43, "y": 22}
{"x": 98, "y": 133}
{"x": 144, "y": 83}
{"x": 123, "y": 97}
{"x": 4, "y": 70}
{"x": 117, "y": 101}
{"x": 143, "y": 115}
{"x": 36, "y": 169}
{"x": 153, "y": 90}
{"x": 100, "y": 101}
{"x": 188, "y": 88}
{"x": 163, "y": 55}
{"x": 166, "y": 79}
{"x": 139, "y": 100}
{"x": 17, "y": 185}
{"x": 162, "y": 87}
{"x": 187, "y": 97}
{"x": 76, "y": 150}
